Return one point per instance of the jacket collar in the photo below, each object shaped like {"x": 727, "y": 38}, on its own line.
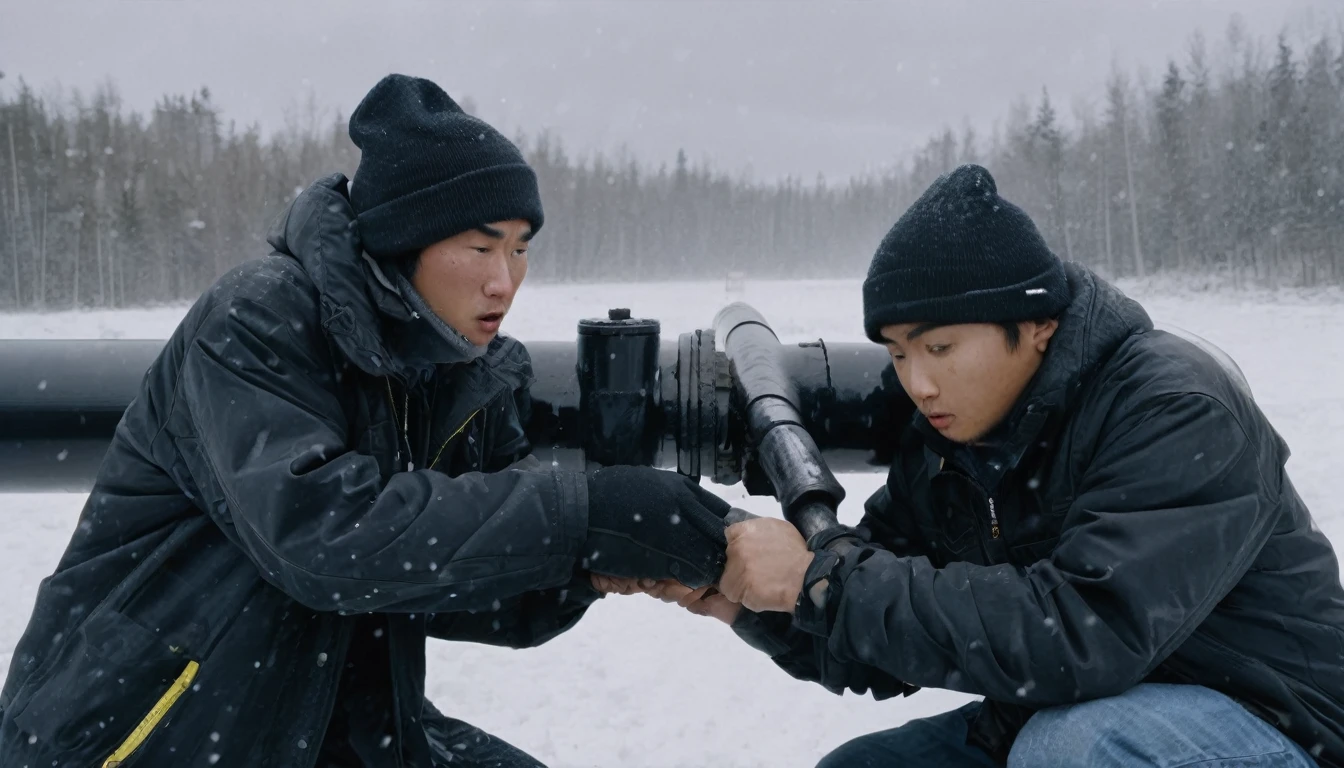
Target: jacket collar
{"x": 378, "y": 321}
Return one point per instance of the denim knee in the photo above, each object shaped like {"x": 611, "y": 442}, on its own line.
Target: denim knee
{"x": 1062, "y": 736}
{"x": 1156, "y": 725}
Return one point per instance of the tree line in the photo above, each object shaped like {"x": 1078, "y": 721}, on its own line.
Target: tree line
{"x": 1228, "y": 164}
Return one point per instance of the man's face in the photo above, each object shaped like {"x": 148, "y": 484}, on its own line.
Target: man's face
{"x": 469, "y": 280}
{"x": 965, "y": 378}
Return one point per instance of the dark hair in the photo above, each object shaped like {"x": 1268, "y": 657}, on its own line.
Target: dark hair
{"x": 407, "y": 262}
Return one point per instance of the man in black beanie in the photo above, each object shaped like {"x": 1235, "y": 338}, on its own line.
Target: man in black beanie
{"x": 326, "y": 466}
{"x": 1088, "y": 523}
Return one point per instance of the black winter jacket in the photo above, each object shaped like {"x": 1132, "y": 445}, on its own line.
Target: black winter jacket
{"x": 255, "y": 511}
{"x": 1135, "y": 523}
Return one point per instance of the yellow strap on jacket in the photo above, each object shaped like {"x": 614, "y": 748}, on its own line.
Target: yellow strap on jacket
{"x": 155, "y": 716}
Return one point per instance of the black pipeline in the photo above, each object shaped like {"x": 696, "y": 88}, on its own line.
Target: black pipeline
{"x": 774, "y": 416}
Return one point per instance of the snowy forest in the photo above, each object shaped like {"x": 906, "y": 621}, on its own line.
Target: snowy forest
{"x": 1224, "y": 163}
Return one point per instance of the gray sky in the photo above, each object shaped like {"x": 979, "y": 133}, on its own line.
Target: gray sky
{"x": 773, "y": 86}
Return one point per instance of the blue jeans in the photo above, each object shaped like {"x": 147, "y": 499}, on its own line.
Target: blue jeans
{"x": 1165, "y": 726}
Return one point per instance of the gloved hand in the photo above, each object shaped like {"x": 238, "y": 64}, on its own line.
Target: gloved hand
{"x": 646, "y": 523}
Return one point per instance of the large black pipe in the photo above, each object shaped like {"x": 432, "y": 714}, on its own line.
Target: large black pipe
{"x": 60, "y": 402}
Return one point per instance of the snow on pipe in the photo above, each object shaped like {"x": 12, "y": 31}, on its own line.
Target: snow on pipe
{"x": 616, "y": 395}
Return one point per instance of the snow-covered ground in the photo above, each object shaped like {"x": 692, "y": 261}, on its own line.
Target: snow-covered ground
{"x": 638, "y": 683}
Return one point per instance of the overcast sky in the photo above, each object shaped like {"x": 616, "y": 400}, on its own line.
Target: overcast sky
{"x": 774, "y": 86}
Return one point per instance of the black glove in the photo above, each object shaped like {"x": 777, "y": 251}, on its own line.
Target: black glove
{"x": 650, "y": 524}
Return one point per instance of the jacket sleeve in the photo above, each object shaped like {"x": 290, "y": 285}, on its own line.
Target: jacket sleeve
{"x": 532, "y": 618}
{"x": 270, "y": 444}
{"x": 1168, "y": 516}
{"x": 522, "y": 621}
{"x": 806, "y": 656}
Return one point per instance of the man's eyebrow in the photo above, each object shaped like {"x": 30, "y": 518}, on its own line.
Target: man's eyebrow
{"x": 489, "y": 231}
{"x": 920, "y": 330}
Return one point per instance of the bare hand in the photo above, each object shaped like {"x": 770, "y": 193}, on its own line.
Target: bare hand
{"x": 706, "y": 601}
{"x": 767, "y": 561}
{"x": 616, "y": 585}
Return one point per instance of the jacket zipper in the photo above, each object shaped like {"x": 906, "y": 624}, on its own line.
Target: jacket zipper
{"x": 994, "y": 530}
{"x": 405, "y": 437}
{"x": 450, "y": 439}
{"x": 403, "y": 434}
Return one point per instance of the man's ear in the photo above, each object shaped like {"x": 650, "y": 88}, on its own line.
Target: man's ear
{"x": 1041, "y": 331}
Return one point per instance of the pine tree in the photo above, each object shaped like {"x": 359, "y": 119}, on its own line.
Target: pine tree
{"x": 1174, "y": 156}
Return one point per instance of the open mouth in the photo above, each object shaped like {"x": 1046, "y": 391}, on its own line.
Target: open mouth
{"x": 489, "y": 322}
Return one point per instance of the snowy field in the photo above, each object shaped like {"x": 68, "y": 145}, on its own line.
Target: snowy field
{"x": 639, "y": 683}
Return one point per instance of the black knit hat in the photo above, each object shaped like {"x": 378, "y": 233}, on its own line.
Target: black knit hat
{"x": 962, "y": 254}
{"x": 428, "y": 170}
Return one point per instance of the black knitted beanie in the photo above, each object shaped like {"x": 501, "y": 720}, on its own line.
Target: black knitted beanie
{"x": 428, "y": 170}
{"x": 962, "y": 254}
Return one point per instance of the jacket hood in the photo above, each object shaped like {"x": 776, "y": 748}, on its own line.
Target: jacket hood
{"x": 319, "y": 231}
{"x": 1098, "y": 320}
{"x": 374, "y": 318}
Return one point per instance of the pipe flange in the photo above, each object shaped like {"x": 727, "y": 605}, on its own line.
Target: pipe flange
{"x": 704, "y": 391}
